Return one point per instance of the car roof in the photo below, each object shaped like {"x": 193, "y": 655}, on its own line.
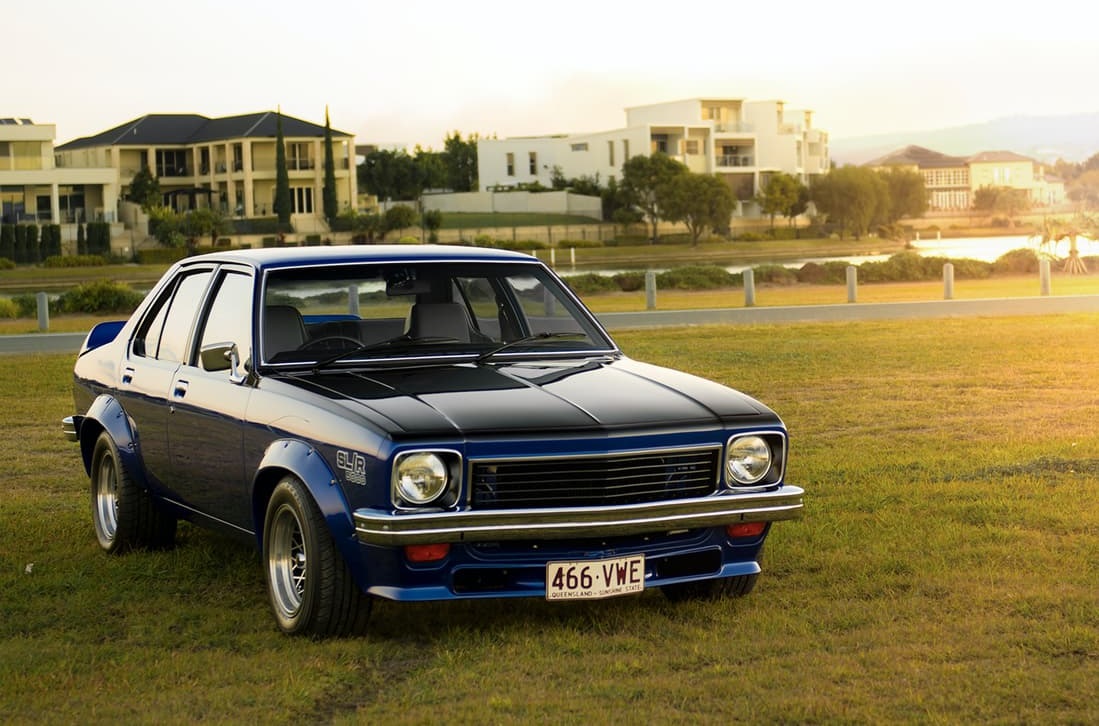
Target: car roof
{"x": 281, "y": 257}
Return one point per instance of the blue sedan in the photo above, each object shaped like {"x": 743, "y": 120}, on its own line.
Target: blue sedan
{"x": 418, "y": 423}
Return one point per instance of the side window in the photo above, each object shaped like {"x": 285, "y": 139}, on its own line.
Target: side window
{"x": 230, "y": 318}
{"x": 181, "y": 317}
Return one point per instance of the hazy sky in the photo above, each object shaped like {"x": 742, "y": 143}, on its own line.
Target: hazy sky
{"x": 412, "y": 70}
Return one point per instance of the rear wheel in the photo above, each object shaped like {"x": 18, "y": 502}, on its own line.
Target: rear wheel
{"x": 310, "y": 587}
{"x": 123, "y": 513}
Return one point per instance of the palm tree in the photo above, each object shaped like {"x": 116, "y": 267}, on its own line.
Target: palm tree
{"x": 1056, "y": 230}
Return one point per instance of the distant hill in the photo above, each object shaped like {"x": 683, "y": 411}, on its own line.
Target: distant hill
{"x": 1045, "y": 138}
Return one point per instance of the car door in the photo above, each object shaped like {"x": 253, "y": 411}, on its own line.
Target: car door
{"x": 155, "y": 353}
{"x": 207, "y": 408}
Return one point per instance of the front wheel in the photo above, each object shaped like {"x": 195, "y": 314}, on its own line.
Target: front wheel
{"x": 309, "y": 584}
{"x": 123, "y": 513}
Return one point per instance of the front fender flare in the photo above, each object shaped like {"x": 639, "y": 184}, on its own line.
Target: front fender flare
{"x": 307, "y": 464}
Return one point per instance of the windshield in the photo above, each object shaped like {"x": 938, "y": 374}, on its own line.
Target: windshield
{"x": 330, "y": 315}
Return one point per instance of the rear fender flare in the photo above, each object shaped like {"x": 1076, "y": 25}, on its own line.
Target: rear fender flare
{"x": 107, "y": 414}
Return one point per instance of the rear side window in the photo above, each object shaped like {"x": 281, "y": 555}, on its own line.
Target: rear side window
{"x": 167, "y": 329}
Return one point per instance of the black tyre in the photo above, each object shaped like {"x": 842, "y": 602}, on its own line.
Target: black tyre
{"x": 310, "y": 587}
{"x": 710, "y": 589}
{"x": 123, "y": 513}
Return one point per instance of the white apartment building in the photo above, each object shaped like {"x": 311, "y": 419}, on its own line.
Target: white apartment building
{"x": 741, "y": 142}
{"x": 34, "y": 189}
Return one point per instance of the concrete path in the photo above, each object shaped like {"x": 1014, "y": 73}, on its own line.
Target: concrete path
{"x": 1052, "y": 305}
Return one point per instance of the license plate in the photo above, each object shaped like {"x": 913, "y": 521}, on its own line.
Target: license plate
{"x": 595, "y": 579}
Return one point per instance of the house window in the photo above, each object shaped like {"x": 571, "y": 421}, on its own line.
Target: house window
{"x": 660, "y": 143}
{"x": 301, "y": 200}
{"x": 690, "y": 146}
{"x": 511, "y": 164}
{"x": 298, "y": 156}
{"x": 171, "y": 162}
{"x": 533, "y": 164}
{"x": 580, "y": 147}
{"x": 626, "y": 149}
{"x": 610, "y": 153}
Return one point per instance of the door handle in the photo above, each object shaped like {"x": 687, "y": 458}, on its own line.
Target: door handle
{"x": 127, "y": 374}
{"x": 180, "y": 389}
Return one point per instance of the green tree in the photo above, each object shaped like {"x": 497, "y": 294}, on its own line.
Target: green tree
{"x": 699, "y": 201}
{"x": 907, "y": 194}
{"x": 81, "y": 240}
{"x": 400, "y": 217}
{"x": 331, "y": 200}
{"x": 778, "y": 196}
{"x": 1084, "y": 189}
{"x": 432, "y": 168}
{"x": 391, "y": 175}
{"x": 203, "y": 222}
{"x": 282, "y": 178}
{"x": 645, "y": 180}
{"x": 432, "y": 220}
{"x": 850, "y": 197}
{"x": 166, "y": 225}
{"x": 145, "y": 189}
{"x": 1056, "y": 230}
{"x": 460, "y": 158}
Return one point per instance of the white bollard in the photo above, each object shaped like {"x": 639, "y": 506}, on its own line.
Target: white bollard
{"x": 650, "y": 290}
{"x": 749, "y": 288}
{"x": 1043, "y": 277}
{"x": 948, "y": 281}
{"x": 852, "y": 284}
{"x": 43, "y": 311}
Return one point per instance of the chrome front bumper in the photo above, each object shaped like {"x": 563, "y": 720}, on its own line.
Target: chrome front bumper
{"x": 386, "y": 528}
{"x": 70, "y": 427}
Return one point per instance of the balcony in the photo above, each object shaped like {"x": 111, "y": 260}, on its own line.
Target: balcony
{"x": 733, "y": 160}
{"x": 734, "y": 127}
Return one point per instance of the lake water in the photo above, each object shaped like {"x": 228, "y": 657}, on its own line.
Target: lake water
{"x": 986, "y": 249}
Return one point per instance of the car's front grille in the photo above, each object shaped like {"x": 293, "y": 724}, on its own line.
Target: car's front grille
{"x": 593, "y": 481}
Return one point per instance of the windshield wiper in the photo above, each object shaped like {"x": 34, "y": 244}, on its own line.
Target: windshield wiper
{"x": 378, "y": 345}
{"x": 527, "y": 339}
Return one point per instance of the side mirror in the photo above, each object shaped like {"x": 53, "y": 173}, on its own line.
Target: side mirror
{"x": 222, "y": 357}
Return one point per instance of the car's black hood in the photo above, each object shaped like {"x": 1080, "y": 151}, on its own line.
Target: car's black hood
{"x": 530, "y": 396}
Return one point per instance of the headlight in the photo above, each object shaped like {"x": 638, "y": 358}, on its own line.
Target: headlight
{"x": 419, "y": 477}
{"x": 748, "y": 459}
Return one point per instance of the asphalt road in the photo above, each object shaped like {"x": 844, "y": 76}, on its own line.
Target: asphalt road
{"x": 1052, "y": 305}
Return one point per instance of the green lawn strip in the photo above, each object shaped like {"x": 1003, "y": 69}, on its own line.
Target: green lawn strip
{"x": 943, "y": 572}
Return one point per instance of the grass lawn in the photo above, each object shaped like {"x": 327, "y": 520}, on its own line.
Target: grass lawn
{"x": 944, "y": 572}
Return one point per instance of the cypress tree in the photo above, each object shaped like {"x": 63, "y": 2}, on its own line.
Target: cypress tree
{"x": 7, "y": 241}
{"x": 20, "y": 244}
{"x": 331, "y": 203}
{"x": 33, "y": 255}
{"x": 282, "y": 178}
{"x": 81, "y": 243}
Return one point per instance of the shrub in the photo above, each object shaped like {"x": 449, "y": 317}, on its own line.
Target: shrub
{"x": 8, "y": 308}
{"x": 408, "y": 240}
{"x": 697, "y": 277}
{"x": 774, "y": 274}
{"x": 74, "y": 261}
{"x": 6, "y": 264}
{"x": 579, "y": 243}
{"x": 751, "y": 237}
{"x": 27, "y": 305}
{"x": 630, "y": 281}
{"x": 591, "y": 282}
{"x": 1022, "y": 261}
{"x": 827, "y": 273}
{"x": 101, "y": 296}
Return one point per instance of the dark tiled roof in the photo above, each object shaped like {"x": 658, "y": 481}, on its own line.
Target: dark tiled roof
{"x": 917, "y": 156}
{"x": 185, "y": 129}
{"x": 998, "y": 156}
